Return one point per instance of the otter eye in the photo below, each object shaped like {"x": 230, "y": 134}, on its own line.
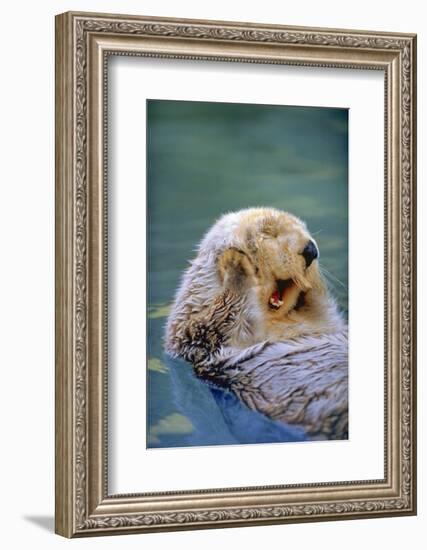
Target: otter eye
{"x": 310, "y": 253}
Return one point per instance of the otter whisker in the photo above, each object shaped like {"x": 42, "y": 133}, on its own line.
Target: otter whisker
{"x": 329, "y": 274}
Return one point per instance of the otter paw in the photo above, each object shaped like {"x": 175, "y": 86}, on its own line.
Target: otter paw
{"x": 235, "y": 269}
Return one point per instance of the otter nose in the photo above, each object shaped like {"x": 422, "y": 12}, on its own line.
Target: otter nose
{"x": 310, "y": 253}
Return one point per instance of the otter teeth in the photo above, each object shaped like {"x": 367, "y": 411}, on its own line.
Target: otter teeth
{"x": 276, "y": 302}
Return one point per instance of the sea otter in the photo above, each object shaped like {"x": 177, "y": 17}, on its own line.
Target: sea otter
{"x": 254, "y": 315}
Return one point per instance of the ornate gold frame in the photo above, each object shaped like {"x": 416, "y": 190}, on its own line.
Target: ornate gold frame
{"x": 83, "y": 42}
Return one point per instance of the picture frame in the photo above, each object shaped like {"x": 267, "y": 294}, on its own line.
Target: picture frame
{"x": 84, "y": 42}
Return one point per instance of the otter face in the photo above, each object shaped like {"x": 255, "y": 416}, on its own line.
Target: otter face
{"x": 284, "y": 256}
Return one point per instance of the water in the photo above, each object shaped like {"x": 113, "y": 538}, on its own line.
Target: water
{"x": 205, "y": 159}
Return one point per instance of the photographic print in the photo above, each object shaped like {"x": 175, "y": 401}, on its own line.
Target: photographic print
{"x": 247, "y": 219}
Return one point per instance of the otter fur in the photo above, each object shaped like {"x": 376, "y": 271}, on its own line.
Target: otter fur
{"x": 253, "y": 314}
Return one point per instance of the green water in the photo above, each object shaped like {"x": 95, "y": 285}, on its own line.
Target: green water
{"x": 205, "y": 159}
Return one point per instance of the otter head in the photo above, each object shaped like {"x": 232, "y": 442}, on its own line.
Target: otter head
{"x": 279, "y": 263}
{"x": 282, "y": 253}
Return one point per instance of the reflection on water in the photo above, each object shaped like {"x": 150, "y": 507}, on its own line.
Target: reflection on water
{"x": 205, "y": 159}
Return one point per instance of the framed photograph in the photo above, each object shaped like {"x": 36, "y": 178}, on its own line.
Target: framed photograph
{"x": 235, "y": 274}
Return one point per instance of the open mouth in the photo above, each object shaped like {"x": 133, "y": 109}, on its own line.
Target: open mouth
{"x": 278, "y": 297}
